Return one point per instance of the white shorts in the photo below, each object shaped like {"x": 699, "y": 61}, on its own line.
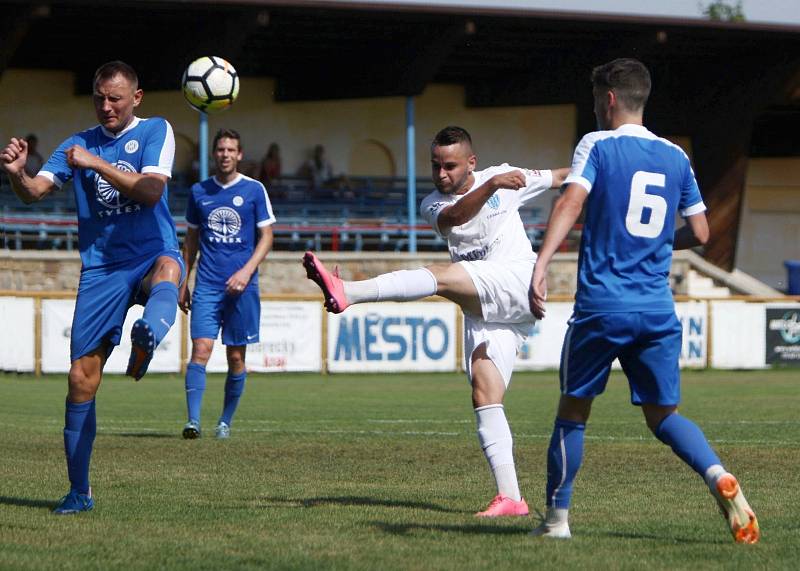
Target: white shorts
{"x": 503, "y": 289}
{"x": 503, "y": 341}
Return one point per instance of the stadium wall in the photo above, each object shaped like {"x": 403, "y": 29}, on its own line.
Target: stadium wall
{"x": 361, "y": 136}
{"x": 297, "y": 335}
{"x": 770, "y": 219}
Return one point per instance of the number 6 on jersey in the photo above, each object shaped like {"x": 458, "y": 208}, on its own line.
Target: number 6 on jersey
{"x": 640, "y": 200}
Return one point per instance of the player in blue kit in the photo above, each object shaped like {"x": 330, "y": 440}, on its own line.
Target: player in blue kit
{"x": 633, "y": 183}
{"x": 128, "y": 245}
{"x": 229, "y": 219}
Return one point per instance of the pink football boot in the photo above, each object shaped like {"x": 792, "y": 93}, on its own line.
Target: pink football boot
{"x": 329, "y": 282}
{"x": 502, "y": 506}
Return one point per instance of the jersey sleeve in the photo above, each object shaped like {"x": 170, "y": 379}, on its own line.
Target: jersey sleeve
{"x": 192, "y": 214}
{"x": 159, "y": 152}
{"x": 431, "y": 207}
{"x": 584, "y": 163}
{"x": 264, "y": 215}
{"x": 536, "y": 182}
{"x": 691, "y": 202}
{"x": 56, "y": 169}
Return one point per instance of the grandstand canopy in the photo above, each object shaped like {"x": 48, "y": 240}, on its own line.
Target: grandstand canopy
{"x": 733, "y": 88}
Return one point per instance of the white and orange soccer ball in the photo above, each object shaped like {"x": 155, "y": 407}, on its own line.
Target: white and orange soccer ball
{"x": 210, "y": 84}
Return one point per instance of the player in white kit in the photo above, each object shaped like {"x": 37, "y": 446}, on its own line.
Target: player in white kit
{"x": 492, "y": 264}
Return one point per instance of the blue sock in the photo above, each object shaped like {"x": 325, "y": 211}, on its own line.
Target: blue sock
{"x": 234, "y": 387}
{"x": 195, "y": 387}
{"x": 161, "y": 308}
{"x": 688, "y": 442}
{"x": 564, "y": 457}
{"x": 80, "y": 427}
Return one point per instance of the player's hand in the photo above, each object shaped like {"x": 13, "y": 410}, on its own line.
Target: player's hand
{"x": 80, "y": 158}
{"x": 237, "y": 283}
{"x": 537, "y": 294}
{"x": 14, "y": 156}
{"x": 513, "y": 180}
{"x": 185, "y": 299}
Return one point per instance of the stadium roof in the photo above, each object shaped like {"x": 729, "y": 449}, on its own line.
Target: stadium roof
{"x": 734, "y": 88}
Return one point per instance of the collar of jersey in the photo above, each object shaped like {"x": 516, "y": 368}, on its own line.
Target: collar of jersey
{"x": 230, "y": 184}
{"x": 631, "y": 127}
{"x": 111, "y": 135}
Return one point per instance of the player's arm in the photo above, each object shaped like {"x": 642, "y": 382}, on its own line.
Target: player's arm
{"x": 565, "y": 213}
{"x": 143, "y": 188}
{"x": 190, "y": 247}
{"x": 468, "y": 207}
{"x": 239, "y": 280}
{"x": 12, "y": 160}
{"x": 694, "y": 233}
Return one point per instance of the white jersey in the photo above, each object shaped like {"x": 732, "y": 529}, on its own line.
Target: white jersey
{"x": 496, "y": 233}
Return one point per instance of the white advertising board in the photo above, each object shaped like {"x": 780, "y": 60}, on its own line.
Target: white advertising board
{"x": 419, "y": 336}
{"x": 542, "y": 350}
{"x": 17, "y": 337}
{"x": 693, "y": 316}
{"x": 56, "y": 327}
{"x": 737, "y": 335}
{"x": 290, "y": 339}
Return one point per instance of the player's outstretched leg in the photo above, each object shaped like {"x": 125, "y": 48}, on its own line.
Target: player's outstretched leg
{"x": 564, "y": 456}
{"x": 234, "y": 387}
{"x": 195, "y": 384}
{"x": 497, "y": 444}
{"x": 690, "y": 445}
{"x": 147, "y": 332}
{"x": 402, "y": 285}
{"x": 80, "y": 427}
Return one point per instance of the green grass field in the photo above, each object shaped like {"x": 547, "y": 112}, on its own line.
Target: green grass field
{"x": 385, "y": 472}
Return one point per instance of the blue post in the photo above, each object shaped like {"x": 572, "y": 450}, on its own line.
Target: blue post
{"x": 411, "y": 176}
{"x": 203, "y": 146}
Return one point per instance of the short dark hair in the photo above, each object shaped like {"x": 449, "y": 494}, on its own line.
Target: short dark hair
{"x": 451, "y": 135}
{"x": 628, "y": 78}
{"x": 111, "y": 69}
{"x": 227, "y": 134}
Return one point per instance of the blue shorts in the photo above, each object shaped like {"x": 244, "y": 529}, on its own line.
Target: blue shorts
{"x": 648, "y": 346}
{"x": 238, "y": 315}
{"x": 104, "y": 296}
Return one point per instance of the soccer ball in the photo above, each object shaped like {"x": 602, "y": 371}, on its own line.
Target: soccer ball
{"x": 210, "y": 84}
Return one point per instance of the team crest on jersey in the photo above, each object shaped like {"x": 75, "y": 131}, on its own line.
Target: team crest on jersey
{"x": 132, "y": 146}
{"x": 109, "y": 196}
{"x": 238, "y": 200}
{"x": 494, "y": 202}
{"x": 225, "y": 224}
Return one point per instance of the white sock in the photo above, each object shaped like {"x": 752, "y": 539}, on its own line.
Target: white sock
{"x": 556, "y": 516}
{"x": 494, "y": 435}
{"x": 712, "y": 474}
{"x": 403, "y": 285}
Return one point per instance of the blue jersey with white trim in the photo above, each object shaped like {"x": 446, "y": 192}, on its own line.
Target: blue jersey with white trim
{"x": 113, "y": 228}
{"x": 637, "y": 182}
{"x": 227, "y": 217}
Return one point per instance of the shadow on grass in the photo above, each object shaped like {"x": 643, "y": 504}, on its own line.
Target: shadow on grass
{"x": 468, "y": 529}
{"x": 653, "y": 537}
{"x": 145, "y": 434}
{"x": 26, "y": 503}
{"x": 357, "y": 501}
